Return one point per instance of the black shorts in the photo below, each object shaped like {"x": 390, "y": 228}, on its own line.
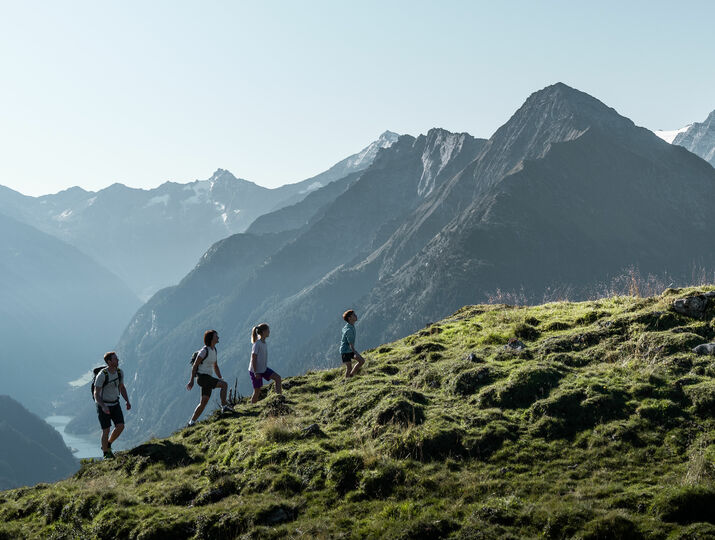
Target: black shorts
{"x": 115, "y": 415}
{"x": 207, "y": 383}
{"x": 348, "y": 356}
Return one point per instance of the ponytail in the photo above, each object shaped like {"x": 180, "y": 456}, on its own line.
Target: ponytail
{"x": 258, "y": 330}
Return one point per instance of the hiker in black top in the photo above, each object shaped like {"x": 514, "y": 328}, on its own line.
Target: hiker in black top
{"x": 108, "y": 385}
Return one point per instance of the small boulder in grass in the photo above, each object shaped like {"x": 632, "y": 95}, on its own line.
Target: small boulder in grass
{"x": 313, "y": 430}
{"x": 693, "y": 306}
{"x": 515, "y": 345}
{"x": 471, "y": 357}
{"x": 705, "y": 348}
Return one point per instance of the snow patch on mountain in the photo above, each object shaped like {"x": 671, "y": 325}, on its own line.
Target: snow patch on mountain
{"x": 669, "y": 135}
{"x": 367, "y": 155}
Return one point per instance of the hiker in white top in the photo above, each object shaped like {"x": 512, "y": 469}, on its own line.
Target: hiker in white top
{"x": 205, "y": 363}
{"x": 258, "y": 365}
{"x": 108, "y": 385}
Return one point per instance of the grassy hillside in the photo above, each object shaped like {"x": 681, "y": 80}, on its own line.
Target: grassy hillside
{"x": 602, "y": 427}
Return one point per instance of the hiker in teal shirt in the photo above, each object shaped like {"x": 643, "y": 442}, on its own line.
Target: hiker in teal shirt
{"x": 347, "y": 345}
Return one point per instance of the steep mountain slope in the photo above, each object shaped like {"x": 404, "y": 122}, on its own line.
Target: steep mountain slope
{"x": 602, "y": 195}
{"x": 152, "y": 238}
{"x": 60, "y": 312}
{"x": 566, "y": 193}
{"x": 700, "y": 139}
{"x": 299, "y": 214}
{"x": 31, "y": 450}
{"x": 598, "y": 423}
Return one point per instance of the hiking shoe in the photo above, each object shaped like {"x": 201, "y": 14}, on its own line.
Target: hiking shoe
{"x": 108, "y": 454}
{"x": 227, "y": 408}
{"x": 191, "y": 423}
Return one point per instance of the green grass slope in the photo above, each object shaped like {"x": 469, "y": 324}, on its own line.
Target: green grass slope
{"x": 602, "y": 427}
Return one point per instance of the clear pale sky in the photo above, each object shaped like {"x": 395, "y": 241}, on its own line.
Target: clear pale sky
{"x": 141, "y": 92}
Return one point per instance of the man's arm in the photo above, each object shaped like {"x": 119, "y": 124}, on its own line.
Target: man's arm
{"x": 123, "y": 391}
{"x": 98, "y": 399}
{"x": 217, "y": 370}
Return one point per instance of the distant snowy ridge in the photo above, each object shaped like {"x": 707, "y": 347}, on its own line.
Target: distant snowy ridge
{"x": 368, "y": 154}
{"x": 669, "y": 135}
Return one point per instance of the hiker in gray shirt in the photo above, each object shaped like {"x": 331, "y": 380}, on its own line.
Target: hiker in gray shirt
{"x": 108, "y": 385}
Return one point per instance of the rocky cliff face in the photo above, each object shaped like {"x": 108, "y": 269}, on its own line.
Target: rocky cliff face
{"x": 700, "y": 139}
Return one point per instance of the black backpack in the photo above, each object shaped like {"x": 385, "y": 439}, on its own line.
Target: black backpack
{"x": 196, "y": 355}
{"x": 96, "y": 371}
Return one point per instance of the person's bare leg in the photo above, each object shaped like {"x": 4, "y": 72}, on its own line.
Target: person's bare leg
{"x": 116, "y": 432}
{"x": 223, "y": 385}
{"x": 200, "y": 407}
{"x": 356, "y": 367}
{"x": 277, "y": 378}
{"x": 105, "y": 440}
{"x": 348, "y": 367}
{"x": 256, "y": 395}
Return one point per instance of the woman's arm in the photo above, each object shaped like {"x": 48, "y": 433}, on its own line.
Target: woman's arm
{"x": 194, "y": 367}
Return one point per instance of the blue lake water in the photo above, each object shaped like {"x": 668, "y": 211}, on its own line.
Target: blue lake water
{"x": 81, "y": 446}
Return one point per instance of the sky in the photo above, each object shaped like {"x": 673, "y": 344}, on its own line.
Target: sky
{"x": 137, "y": 92}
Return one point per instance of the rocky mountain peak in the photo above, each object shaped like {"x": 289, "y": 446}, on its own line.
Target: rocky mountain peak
{"x": 222, "y": 175}
{"x": 567, "y": 110}
{"x": 368, "y": 154}
{"x": 557, "y": 113}
{"x": 388, "y": 138}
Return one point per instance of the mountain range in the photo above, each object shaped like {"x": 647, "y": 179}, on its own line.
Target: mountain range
{"x": 566, "y": 192}
{"x": 152, "y": 238}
